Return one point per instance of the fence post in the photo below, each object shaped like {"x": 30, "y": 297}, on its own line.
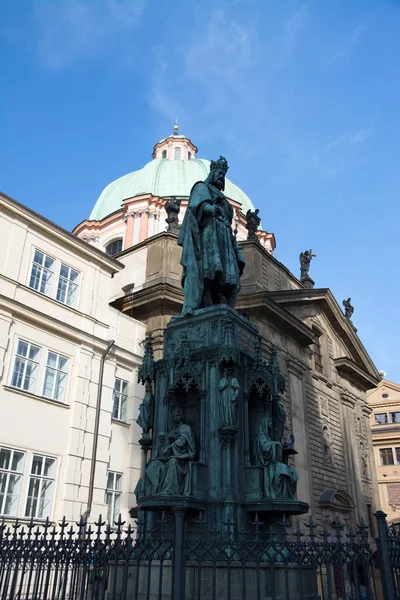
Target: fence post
{"x": 178, "y": 568}
{"x": 389, "y": 588}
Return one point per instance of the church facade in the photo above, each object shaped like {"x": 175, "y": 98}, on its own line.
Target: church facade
{"x": 327, "y": 370}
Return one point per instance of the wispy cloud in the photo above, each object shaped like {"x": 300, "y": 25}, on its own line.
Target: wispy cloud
{"x": 345, "y": 46}
{"x": 360, "y": 136}
{"x": 74, "y": 29}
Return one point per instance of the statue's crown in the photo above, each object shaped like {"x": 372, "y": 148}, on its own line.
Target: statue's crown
{"x": 221, "y": 163}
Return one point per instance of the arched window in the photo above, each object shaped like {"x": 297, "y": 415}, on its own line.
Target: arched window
{"x": 164, "y": 154}
{"x": 318, "y": 366}
{"x": 189, "y": 155}
{"x": 114, "y": 247}
{"x": 177, "y": 154}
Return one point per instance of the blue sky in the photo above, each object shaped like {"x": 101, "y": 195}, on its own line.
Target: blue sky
{"x": 303, "y": 98}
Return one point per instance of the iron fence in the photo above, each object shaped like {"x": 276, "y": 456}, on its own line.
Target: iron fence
{"x": 64, "y": 561}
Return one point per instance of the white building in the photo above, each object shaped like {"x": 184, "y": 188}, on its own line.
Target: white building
{"x": 55, "y": 325}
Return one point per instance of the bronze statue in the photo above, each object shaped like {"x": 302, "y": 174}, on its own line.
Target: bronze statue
{"x": 305, "y": 261}
{"x": 146, "y": 410}
{"x": 170, "y": 473}
{"x": 252, "y": 224}
{"x": 211, "y": 257}
{"x": 348, "y": 309}
{"x": 280, "y": 478}
{"x": 172, "y": 208}
{"x": 228, "y": 392}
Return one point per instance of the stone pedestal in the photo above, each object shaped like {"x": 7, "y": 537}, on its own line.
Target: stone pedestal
{"x": 307, "y": 282}
{"x": 205, "y": 473}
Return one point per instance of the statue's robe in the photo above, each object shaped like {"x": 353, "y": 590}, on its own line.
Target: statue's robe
{"x": 172, "y": 476}
{"x": 229, "y": 390}
{"x": 280, "y": 479}
{"x": 146, "y": 410}
{"x": 210, "y": 250}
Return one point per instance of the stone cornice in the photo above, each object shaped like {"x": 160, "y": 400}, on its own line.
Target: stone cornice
{"x": 62, "y": 236}
{"x": 340, "y": 324}
{"x": 64, "y": 330}
{"x": 159, "y": 298}
{"x": 354, "y": 373}
{"x": 261, "y": 303}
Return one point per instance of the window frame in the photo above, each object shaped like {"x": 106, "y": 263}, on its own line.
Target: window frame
{"x": 318, "y": 365}
{"x": 377, "y": 422}
{"x": 9, "y": 472}
{"x": 42, "y": 268}
{"x": 177, "y": 153}
{"x": 57, "y": 266}
{"x": 26, "y": 360}
{"x": 113, "y": 241}
{"x": 120, "y": 399}
{"x": 384, "y": 452}
{"x": 42, "y": 478}
{"x": 395, "y": 422}
{"x": 113, "y": 493}
{"x": 56, "y": 370}
{"x": 69, "y": 284}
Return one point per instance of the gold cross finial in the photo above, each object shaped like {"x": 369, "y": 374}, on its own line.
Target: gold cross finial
{"x": 176, "y": 127}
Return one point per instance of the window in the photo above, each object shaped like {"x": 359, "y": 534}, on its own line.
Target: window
{"x": 114, "y": 247}
{"x": 41, "y": 484}
{"x": 25, "y": 366}
{"x": 11, "y": 468}
{"x": 113, "y": 496}
{"x": 41, "y": 273}
{"x": 397, "y": 450}
{"x": 394, "y": 417}
{"x": 67, "y": 285}
{"x": 381, "y": 419}
{"x": 177, "y": 154}
{"x": 189, "y": 155}
{"x": 164, "y": 154}
{"x": 55, "y": 377}
{"x": 386, "y": 455}
{"x": 385, "y": 395}
{"x": 120, "y": 399}
{"x": 317, "y": 353}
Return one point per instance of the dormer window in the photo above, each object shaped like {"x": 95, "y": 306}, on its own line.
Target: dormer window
{"x": 164, "y": 154}
{"x": 177, "y": 153}
{"x": 114, "y": 247}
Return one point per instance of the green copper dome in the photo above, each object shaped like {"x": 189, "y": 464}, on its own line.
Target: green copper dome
{"x": 161, "y": 177}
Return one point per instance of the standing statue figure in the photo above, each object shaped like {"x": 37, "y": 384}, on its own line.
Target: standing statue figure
{"x": 280, "y": 479}
{"x": 329, "y": 459}
{"x": 170, "y": 473}
{"x": 348, "y": 309}
{"x": 146, "y": 410}
{"x": 252, "y": 224}
{"x": 172, "y": 208}
{"x": 305, "y": 261}
{"x": 228, "y": 392}
{"x": 211, "y": 257}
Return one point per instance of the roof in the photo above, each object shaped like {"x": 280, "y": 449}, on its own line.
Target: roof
{"x": 98, "y": 256}
{"x": 161, "y": 177}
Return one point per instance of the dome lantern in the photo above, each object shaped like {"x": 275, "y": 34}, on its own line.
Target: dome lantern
{"x": 175, "y": 147}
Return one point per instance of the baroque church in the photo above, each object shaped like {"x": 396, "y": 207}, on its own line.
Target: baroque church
{"x": 75, "y": 309}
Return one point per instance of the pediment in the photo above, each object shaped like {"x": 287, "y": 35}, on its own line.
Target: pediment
{"x": 364, "y": 372}
{"x": 337, "y": 500}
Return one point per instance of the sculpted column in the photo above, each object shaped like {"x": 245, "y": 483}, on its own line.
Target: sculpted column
{"x": 300, "y": 430}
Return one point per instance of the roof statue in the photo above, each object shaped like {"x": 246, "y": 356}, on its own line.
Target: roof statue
{"x": 348, "y": 309}
{"x": 211, "y": 257}
{"x": 305, "y": 262}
